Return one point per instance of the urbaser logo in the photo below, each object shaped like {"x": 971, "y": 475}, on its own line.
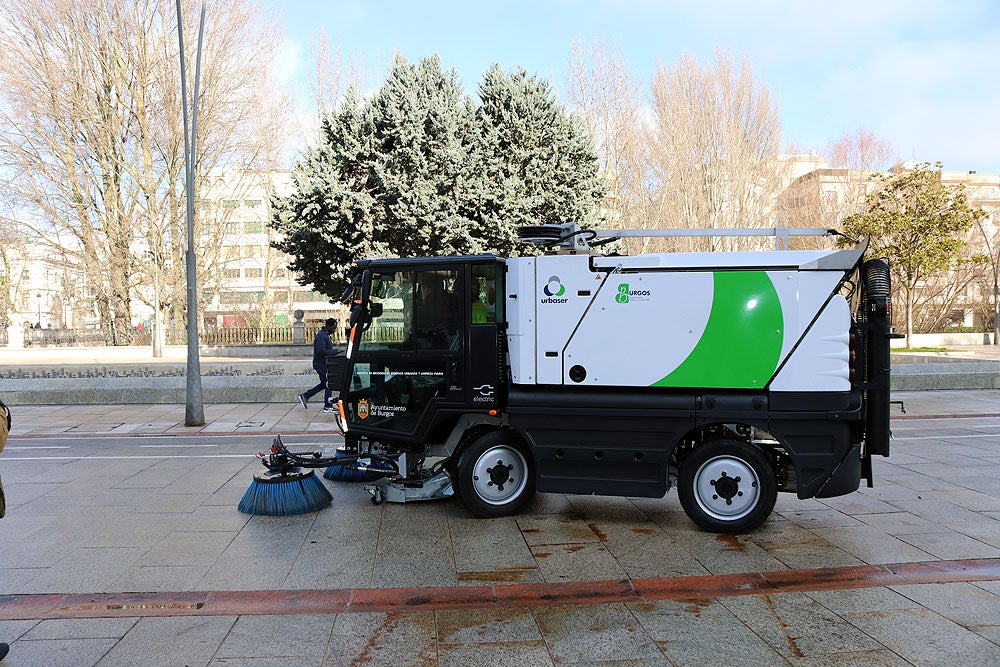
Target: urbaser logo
{"x": 554, "y": 287}
{"x": 553, "y": 290}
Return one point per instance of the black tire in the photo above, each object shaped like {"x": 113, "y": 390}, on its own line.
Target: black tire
{"x": 738, "y": 504}
{"x": 496, "y": 476}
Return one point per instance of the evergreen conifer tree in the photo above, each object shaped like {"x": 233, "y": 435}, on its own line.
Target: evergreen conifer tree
{"x": 420, "y": 170}
{"x": 328, "y": 221}
{"x": 533, "y": 162}
{"x": 417, "y": 127}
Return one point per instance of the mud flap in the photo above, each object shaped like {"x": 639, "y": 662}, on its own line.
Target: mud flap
{"x": 866, "y": 470}
{"x": 847, "y": 477}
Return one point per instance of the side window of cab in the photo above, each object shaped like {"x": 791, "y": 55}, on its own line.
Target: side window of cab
{"x": 484, "y": 306}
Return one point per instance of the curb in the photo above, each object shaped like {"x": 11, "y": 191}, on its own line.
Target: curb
{"x": 281, "y": 381}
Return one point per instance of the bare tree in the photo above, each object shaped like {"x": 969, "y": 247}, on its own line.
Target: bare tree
{"x": 13, "y": 271}
{"x": 717, "y": 132}
{"x": 604, "y": 92}
{"x": 92, "y": 141}
{"x": 330, "y": 73}
{"x": 988, "y": 279}
{"x": 835, "y": 184}
{"x": 854, "y": 159}
{"x": 861, "y": 151}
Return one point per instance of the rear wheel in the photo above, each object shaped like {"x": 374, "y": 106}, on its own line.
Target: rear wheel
{"x": 495, "y": 475}
{"x": 727, "y": 486}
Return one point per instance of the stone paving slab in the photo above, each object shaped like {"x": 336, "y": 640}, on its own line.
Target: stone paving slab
{"x": 136, "y": 502}
{"x": 858, "y": 627}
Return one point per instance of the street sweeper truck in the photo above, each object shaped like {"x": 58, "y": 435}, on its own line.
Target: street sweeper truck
{"x": 731, "y": 376}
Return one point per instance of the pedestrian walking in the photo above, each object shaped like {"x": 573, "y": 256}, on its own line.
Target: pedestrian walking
{"x": 4, "y": 431}
{"x": 322, "y": 348}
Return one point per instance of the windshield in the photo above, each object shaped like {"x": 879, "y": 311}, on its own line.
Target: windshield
{"x": 416, "y": 310}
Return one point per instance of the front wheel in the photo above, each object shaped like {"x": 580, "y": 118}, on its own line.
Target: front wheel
{"x": 495, "y": 476}
{"x": 727, "y": 486}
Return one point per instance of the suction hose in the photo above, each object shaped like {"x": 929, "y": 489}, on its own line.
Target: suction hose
{"x": 876, "y": 277}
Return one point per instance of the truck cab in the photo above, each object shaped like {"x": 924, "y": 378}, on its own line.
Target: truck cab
{"x": 430, "y": 348}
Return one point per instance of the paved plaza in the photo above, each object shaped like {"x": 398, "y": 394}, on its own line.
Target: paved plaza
{"x": 123, "y": 546}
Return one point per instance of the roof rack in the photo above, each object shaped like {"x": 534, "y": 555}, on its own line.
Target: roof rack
{"x": 781, "y": 234}
{"x": 570, "y": 237}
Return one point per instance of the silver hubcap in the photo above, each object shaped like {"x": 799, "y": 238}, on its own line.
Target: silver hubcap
{"x": 499, "y": 475}
{"x": 726, "y": 488}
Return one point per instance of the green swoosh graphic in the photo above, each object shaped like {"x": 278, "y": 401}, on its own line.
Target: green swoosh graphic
{"x": 741, "y": 344}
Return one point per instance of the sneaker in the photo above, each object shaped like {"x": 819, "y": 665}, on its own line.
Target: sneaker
{"x": 303, "y": 402}
{"x": 330, "y": 409}
{"x": 4, "y": 648}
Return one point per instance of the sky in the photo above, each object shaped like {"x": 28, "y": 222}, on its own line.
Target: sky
{"x": 924, "y": 75}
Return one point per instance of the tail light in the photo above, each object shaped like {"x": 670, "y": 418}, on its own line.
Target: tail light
{"x": 853, "y": 355}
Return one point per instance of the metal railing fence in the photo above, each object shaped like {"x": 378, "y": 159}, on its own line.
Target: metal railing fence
{"x": 144, "y": 337}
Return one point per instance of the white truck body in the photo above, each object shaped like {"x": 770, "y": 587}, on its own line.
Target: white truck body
{"x": 679, "y": 320}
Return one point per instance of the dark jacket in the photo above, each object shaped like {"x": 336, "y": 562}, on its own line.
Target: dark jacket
{"x": 322, "y": 348}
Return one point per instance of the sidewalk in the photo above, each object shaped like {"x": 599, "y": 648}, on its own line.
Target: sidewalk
{"x": 290, "y": 418}
{"x": 129, "y": 550}
{"x": 168, "y": 419}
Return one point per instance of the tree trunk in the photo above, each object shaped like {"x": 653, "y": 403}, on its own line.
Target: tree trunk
{"x": 909, "y": 317}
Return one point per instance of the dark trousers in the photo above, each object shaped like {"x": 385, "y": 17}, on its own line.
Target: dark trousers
{"x": 324, "y": 386}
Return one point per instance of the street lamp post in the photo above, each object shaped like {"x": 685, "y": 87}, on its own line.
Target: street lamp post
{"x": 38, "y": 302}
{"x": 157, "y": 341}
{"x": 995, "y": 263}
{"x": 996, "y": 301}
{"x": 194, "y": 411}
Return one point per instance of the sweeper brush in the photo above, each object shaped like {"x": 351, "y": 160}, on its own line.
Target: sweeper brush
{"x": 286, "y": 490}
{"x": 285, "y": 494}
{"x": 357, "y": 468}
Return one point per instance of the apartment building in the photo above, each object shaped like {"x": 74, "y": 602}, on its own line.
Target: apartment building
{"x": 824, "y": 196}
{"x": 248, "y": 282}
{"x": 243, "y": 282}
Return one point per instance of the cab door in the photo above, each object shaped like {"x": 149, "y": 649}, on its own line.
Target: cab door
{"x": 486, "y": 336}
{"x": 409, "y": 364}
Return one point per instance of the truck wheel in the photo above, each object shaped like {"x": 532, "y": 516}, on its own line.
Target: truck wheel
{"x": 727, "y": 486}
{"x": 495, "y": 476}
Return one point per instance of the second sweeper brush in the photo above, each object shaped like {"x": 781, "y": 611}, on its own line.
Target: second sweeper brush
{"x": 357, "y": 469}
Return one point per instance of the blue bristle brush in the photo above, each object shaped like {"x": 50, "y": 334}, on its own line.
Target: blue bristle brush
{"x": 285, "y": 494}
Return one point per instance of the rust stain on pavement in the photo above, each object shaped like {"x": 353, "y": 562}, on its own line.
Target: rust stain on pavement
{"x": 695, "y": 589}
